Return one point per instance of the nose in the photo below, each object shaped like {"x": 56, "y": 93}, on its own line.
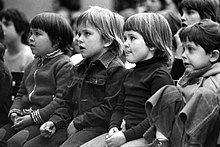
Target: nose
{"x": 126, "y": 44}
{"x": 79, "y": 39}
{"x": 184, "y": 55}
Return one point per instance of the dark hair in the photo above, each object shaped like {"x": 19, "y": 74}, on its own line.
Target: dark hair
{"x": 174, "y": 21}
{"x": 57, "y": 28}
{"x": 155, "y": 31}
{"x": 206, "y": 33}
{"x": 207, "y": 9}
{"x": 19, "y": 20}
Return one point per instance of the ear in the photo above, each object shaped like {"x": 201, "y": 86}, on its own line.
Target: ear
{"x": 214, "y": 55}
{"x": 108, "y": 43}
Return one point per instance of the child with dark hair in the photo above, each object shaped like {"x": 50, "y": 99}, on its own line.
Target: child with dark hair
{"x": 192, "y": 11}
{"x": 188, "y": 114}
{"x": 95, "y": 84}
{"x": 16, "y": 29}
{"x": 44, "y": 82}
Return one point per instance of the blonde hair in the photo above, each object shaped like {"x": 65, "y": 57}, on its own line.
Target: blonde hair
{"x": 156, "y": 32}
{"x": 108, "y": 23}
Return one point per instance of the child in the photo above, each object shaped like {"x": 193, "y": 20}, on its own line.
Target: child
{"x": 192, "y": 11}
{"x": 16, "y": 30}
{"x": 45, "y": 79}
{"x": 95, "y": 82}
{"x": 187, "y": 115}
{"x": 148, "y": 40}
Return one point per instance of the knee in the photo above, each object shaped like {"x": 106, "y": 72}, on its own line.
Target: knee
{"x": 19, "y": 139}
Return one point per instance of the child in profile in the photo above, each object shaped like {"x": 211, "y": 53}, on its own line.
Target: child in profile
{"x": 45, "y": 79}
{"x": 188, "y": 114}
{"x": 95, "y": 82}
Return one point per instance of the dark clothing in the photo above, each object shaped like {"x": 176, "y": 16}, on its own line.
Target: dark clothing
{"x": 188, "y": 113}
{"x": 90, "y": 100}
{"x": 139, "y": 85}
{"x": 43, "y": 85}
{"x": 93, "y": 91}
{"x": 5, "y": 93}
{"x": 177, "y": 69}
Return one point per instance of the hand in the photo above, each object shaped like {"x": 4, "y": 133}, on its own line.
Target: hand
{"x": 117, "y": 139}
{"x": 22, "y": 121}
{"x": 47, "y": 129}
{"x": 71, "y": 129}
{"x": 179, "y": 50}
{"x": 14, "y": 117}
{"x": 111, "y": 132}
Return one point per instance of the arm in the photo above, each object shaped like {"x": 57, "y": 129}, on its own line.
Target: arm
{"x": 62, "y": 78}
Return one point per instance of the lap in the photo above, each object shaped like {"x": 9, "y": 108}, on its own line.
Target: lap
{"x": 56, "y": 140}
{"x": 98, "y": 141}
{"x": 83, "y": 136}
{"x": 141, "y": 142}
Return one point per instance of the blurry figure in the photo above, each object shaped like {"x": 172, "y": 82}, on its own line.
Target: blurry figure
{"x": 16, "y": 30}
{"x": 155, "y": 5}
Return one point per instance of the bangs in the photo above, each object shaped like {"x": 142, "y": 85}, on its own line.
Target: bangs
{"x": 190, "y": 5}
{"x": 133, "y": 23}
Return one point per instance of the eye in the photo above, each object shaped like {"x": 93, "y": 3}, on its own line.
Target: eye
{"x": 190, "y": 12}
{"x": 87, "y": 33}
{"x": 132, "y": 38}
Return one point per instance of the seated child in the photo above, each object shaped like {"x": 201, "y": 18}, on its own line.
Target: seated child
{"x": 44, "y": 82}
{"x": 188, "y": 114}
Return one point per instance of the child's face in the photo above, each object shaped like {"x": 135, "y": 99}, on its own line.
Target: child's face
{"x": 40, "y": 43}
{"x": 189, "y": 17}
{"x": 135, "y": 47}
{"x": 194, "y": 56}
{"x": 90, "y": 42}
{"x": 10, "y": 34}
{"x": 153, "y": 5}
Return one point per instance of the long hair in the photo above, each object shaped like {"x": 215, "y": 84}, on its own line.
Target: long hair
{"x": 109, "y": 25}
{"x": 57, "y": 28}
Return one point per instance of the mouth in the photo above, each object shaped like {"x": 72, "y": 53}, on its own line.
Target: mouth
{"x": 81, "y": 48}
{"x": 184, "y": 24}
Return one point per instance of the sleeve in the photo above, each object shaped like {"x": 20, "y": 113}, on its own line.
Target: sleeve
{"x": 118, "y": 113}
{"x": 62, "y": 78}
{"x": 63, "y": 114}
{"x": 101, "y": 114}
{"x": 159, "y": 79}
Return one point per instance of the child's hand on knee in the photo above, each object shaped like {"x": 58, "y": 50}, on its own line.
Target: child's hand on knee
{"x": 111, "y": 132}
{"x": 47, "y": 129}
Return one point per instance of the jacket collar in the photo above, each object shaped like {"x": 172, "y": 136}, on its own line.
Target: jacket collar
{"x": 105, "y": 59}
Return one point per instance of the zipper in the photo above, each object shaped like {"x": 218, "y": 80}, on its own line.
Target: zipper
{"x": 35, "y": 85}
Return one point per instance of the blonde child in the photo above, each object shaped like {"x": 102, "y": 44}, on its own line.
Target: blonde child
{"x": 95, "y": 82}
{"x": 45, "y": 79}
{"x": 148, "y": 42}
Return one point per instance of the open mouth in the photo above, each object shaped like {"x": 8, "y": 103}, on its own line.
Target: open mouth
{"x": 184, "y": 25}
